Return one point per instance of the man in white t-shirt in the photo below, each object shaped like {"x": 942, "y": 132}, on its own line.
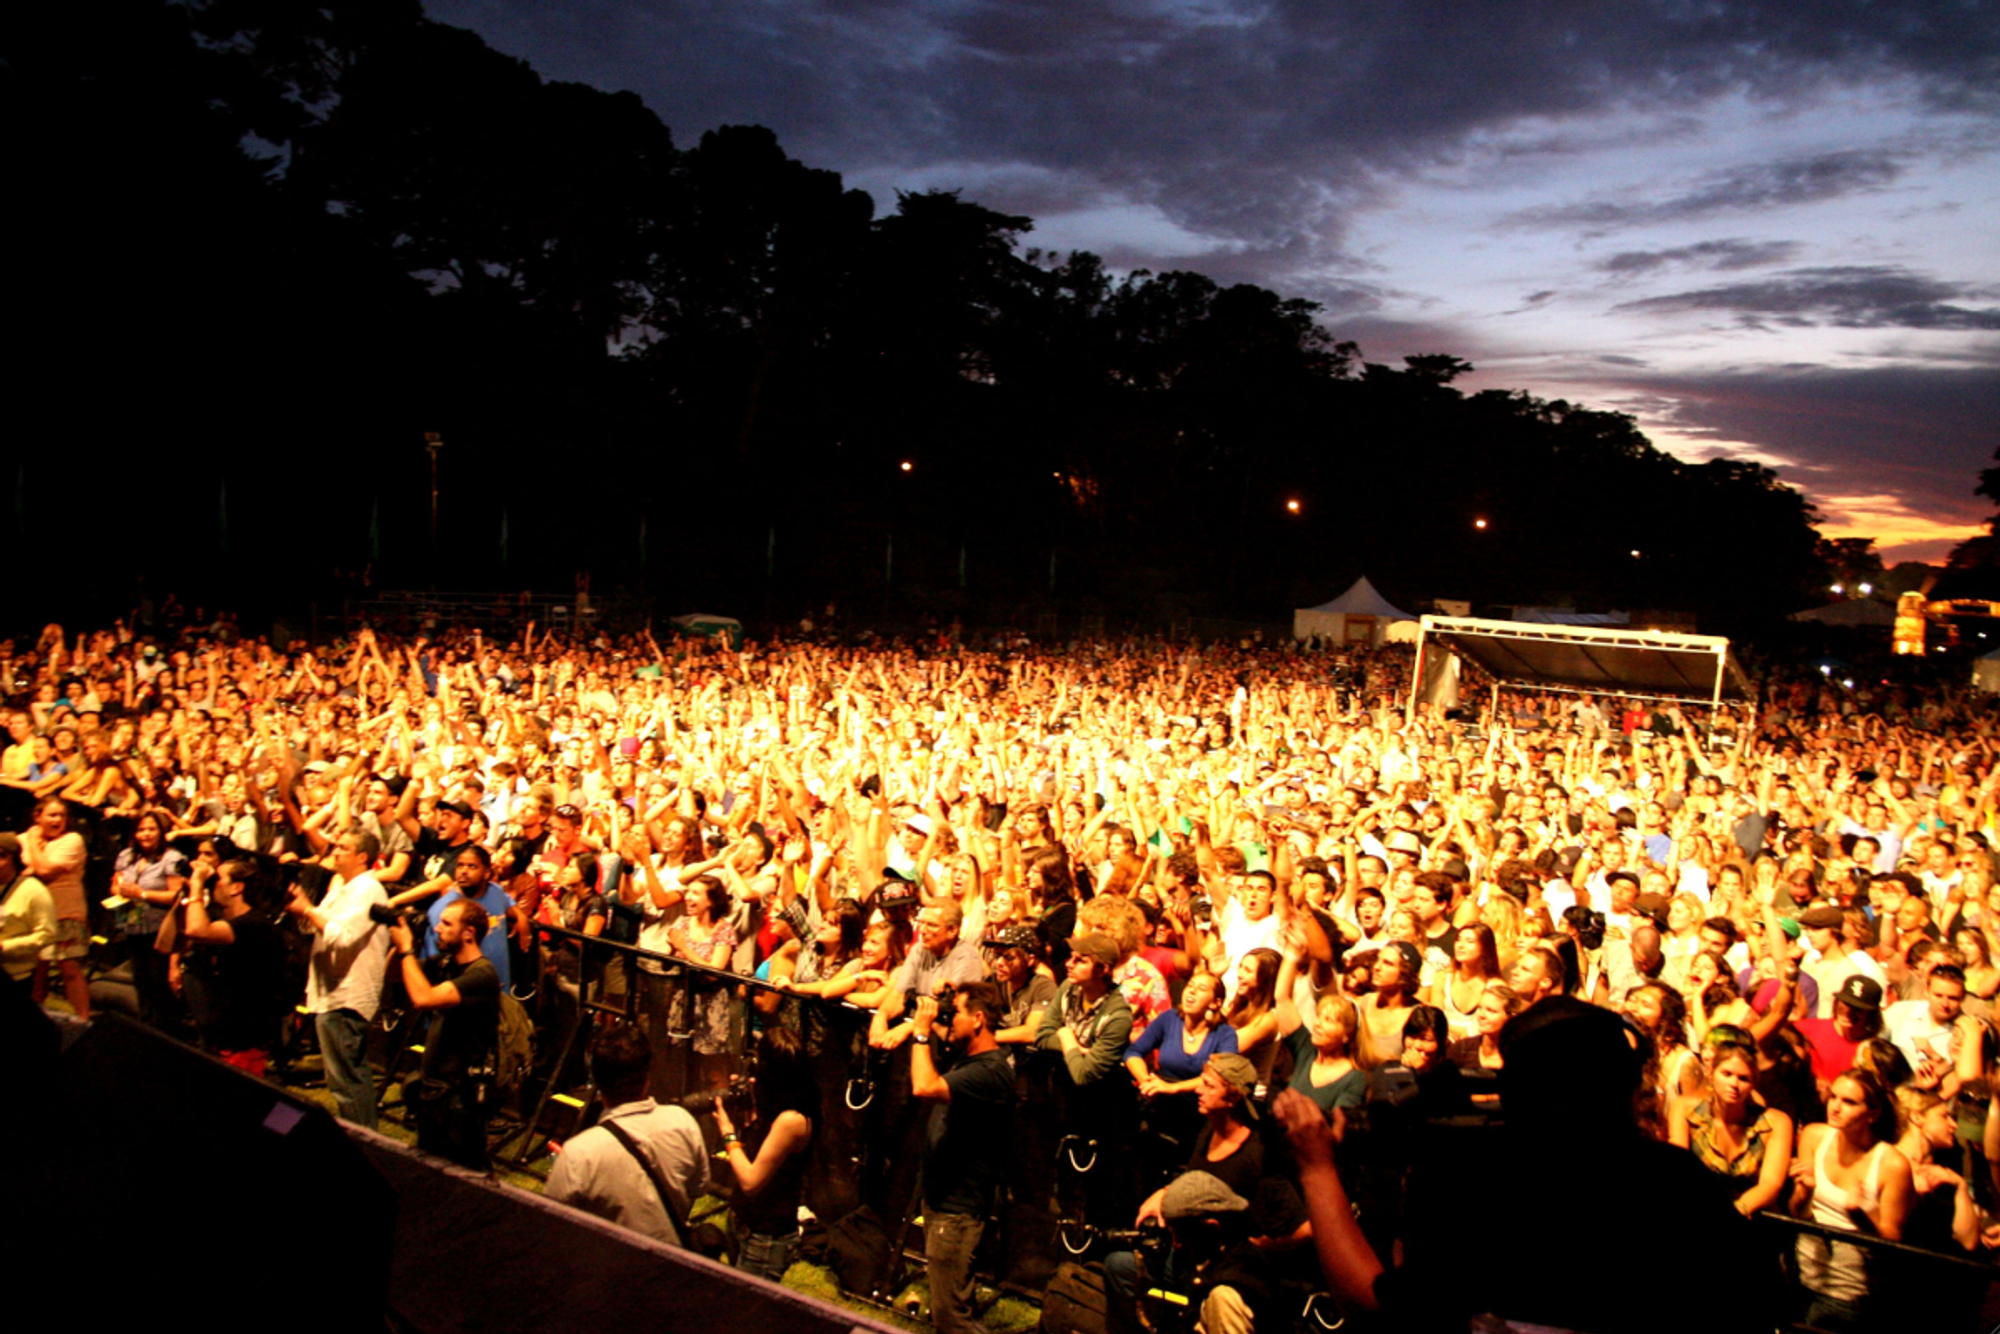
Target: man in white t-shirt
{"x": 1831, "y": 961}
{"x": 1941, "y": 874}
{"x": 350, "y": 953}
{"x": 1249, "y": 921}
{"x": 1934, "y": 1034}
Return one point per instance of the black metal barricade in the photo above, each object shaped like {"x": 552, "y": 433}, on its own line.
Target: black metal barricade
{"x": 701, "y": 1021}
{"x": 1909, "y": 1287}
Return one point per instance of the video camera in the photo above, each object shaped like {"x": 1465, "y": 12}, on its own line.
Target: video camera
{"x": 737, "y": 1098}
{"x": 947, "y": 1002}
{"x": 383, "y": 915}
{"x": 1150, "y": 1243}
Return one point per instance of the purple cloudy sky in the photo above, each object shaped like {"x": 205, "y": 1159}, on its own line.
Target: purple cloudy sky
{"x": 1766, "y": 230}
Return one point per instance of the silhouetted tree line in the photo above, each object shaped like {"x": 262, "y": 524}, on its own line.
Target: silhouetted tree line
{"x": 259, "y": 248}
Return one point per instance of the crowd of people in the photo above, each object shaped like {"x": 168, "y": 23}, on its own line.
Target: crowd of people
{"x": 1119, "y": 915}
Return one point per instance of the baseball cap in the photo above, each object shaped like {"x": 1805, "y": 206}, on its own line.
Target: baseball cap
{"x": 1860, "y": 991}
{"x": 1016, "y": 938}
{"x": 1822, "y": 916}
{"x": 458, "y": 808}
{"x": 1239, "y": 1072}
{"x": 1097, "y": 946}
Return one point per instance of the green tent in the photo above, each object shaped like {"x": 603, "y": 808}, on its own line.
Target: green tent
{"x": 704, "y": 626}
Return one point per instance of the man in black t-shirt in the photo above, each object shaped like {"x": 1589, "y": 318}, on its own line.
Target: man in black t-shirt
{"x": 437, "y": 847}
{"x": 1432, "y": 902}
{"x": 461, "y": 991}
{"x": 964, "y": 1153}
{"x": 232, "y": 967}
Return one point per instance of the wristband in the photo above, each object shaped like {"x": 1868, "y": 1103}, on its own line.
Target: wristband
{"x": 922, "y": 1040}
{"x": 731, "y": 1138}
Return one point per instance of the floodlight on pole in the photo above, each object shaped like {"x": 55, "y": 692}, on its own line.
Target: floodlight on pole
{"x": 433, "y": 442}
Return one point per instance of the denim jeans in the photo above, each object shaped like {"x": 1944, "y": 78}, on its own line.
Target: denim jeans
{"x": 949, "y": 1242}
{"x": 343, "y": 1039}
{"x": 766, "y": 1256}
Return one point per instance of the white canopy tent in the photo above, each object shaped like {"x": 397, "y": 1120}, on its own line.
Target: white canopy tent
{"x": 1361, "y": 615}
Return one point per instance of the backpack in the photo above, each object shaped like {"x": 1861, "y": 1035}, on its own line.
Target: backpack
{"x": 857, "y": 1250}
{"x": 514, "y": 1047}
{"x": 1074, "y": 1301}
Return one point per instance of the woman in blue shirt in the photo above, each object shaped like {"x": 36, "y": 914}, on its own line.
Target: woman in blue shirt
{"x": 1167, "y": 1062}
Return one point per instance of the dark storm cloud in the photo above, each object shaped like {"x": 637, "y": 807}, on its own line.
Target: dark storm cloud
{"x": 1764, "y": 185}
{"x": 1917, "y": 433}
{"x": 1249, "y": 119}
{"x": 1721, "y": 256}
{"x": 1855, "y": 297}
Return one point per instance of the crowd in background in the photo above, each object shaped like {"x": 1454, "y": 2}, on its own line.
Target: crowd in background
{"x": 1192, "y": 875}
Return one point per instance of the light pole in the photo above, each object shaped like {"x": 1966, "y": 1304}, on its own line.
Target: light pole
{"x": 433, "y": 442}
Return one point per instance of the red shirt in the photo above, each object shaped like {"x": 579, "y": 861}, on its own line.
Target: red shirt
{"x": 1832, "y": 1054}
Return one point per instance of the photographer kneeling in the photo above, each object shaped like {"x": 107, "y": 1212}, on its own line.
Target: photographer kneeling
{"x": 1220, "y": 1247}
{"x": 461, "y": 989}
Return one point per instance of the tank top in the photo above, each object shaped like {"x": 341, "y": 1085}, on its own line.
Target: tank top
{"x": 1384, "y": 1048}
{"x": 1461, "y": 1021}
{"x": 774, "y": 1210}
{"x": 1836, "y": 1269}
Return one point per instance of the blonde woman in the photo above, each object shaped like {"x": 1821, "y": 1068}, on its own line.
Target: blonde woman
{"x": 1326, "y": 1061}
{"x": 1503, "y": 913}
